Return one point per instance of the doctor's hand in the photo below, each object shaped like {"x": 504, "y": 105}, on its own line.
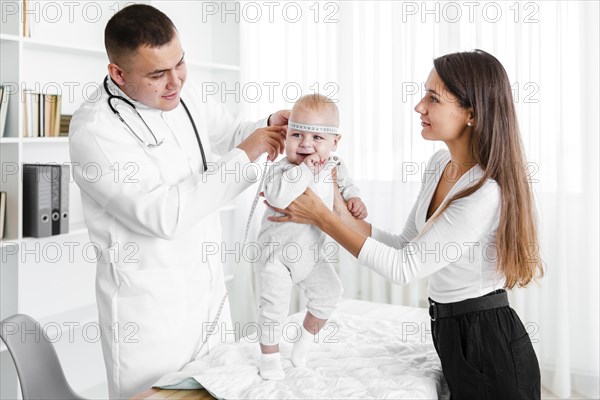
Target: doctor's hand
{"x": 279, "y": 118}
{"x": 270, "y": 140}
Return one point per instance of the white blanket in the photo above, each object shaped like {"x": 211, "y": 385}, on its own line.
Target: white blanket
{"x": 367, "y": 350}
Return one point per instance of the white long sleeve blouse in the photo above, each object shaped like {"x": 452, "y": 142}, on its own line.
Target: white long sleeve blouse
{"x": 457, "y": 251}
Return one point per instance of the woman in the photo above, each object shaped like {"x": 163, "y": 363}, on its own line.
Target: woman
{"x": 472, "y": 230}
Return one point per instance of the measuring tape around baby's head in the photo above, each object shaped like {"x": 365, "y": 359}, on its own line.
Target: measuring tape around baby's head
{"x": 313, "y": 128}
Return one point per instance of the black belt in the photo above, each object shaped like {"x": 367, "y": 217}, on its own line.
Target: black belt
{"x": 496, "y": 299}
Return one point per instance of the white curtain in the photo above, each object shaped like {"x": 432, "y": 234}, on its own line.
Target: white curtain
{"x": 374, "y": 57}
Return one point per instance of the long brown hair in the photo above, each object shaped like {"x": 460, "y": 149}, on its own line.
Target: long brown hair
{"x": 478, "y": 80}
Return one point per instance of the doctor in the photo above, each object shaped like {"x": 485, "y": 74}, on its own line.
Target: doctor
{"x": 151, "y": 189}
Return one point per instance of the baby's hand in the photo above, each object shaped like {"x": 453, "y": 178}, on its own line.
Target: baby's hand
{"x": 357, "y": 208}
{"x": 314, "y": 162}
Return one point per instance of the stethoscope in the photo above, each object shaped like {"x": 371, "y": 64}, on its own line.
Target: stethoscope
{"x": 156, "y": 143}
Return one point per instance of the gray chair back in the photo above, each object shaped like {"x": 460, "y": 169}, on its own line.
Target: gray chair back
{"x": 38, "y": 367}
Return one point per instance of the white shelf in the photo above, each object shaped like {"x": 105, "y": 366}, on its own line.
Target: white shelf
{"x": 34, "y": 140}
{"x": 45, "y": 140}
{"x": 9, "y": 38}
{"x": 27, "y": 239}
{"x": 30, "y": 43}
{"x": 75, "y": 229}
{"x": 8, "y": 242}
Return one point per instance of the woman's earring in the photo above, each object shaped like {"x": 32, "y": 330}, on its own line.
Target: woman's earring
{"x": 468, "y": 124}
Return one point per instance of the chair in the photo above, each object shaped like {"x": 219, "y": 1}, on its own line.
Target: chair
{"x": 38, "y": 367}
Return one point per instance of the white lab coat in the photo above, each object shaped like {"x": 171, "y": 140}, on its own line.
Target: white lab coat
{"x": 150, "y": 212}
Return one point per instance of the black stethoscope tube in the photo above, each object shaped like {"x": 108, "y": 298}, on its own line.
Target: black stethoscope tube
{"x": 156, "y": 142}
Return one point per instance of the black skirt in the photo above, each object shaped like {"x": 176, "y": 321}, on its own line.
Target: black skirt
{"x": 484, "y": 348}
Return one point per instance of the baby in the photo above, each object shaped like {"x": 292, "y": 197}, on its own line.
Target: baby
{"x": 292, "y": 254}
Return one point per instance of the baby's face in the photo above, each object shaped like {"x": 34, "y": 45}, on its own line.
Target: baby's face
{"x": 299, "y": 144}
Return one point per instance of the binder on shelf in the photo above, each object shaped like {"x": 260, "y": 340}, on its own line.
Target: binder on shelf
{"x": 3, "y": 108}
{"x": 45, "y": 199}
{"x": 60, "y": 199}
{"x": 37, "y": 200}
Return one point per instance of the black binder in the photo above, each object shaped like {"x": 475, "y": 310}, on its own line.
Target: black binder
{"x": 63, "y": 201}
{"x": 45, "y": 199}
{"x": 37, "y": 200}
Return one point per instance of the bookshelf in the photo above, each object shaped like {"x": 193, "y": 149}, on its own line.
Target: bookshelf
{"x": 58, "y": 289}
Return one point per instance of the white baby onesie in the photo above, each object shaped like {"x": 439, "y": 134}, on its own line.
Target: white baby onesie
{"x": 293, "y": 253}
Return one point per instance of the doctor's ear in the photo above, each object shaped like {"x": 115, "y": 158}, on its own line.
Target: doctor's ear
{"x": 116, "y": 74}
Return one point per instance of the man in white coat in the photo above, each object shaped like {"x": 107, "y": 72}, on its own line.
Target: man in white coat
{"x": 151, "y": 188}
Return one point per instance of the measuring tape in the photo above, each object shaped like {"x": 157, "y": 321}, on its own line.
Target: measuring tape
{"x": 213, "y": 324}
{"x": 313, "y": 128}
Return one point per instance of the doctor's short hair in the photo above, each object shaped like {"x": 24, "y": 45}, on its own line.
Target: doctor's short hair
{"x": 319, "y": 103}
{"x": 135, "y": 26}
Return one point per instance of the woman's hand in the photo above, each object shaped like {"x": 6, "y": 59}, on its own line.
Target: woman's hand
{"x": 341, "y": 226}
{"x": 308, "y": 208}
{"x": 340, "y": 208}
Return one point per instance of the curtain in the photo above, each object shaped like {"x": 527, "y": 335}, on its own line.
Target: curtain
{"x": 373, "y": 59}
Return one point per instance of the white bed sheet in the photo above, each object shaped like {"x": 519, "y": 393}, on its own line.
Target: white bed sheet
{"x": 372, "y": 350}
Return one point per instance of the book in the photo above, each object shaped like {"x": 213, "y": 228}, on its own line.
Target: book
{"x": 3, "y": 108}
{"x": 29, "y": 10}
{"x": 65, "y": 122}
{"x": 41, "y": 114}
{"x": 25, "y": 19}
{"x": 56, "y": 115}
{"x": 46, "y": 113}
{"x": 31, "y": 110}
{"x": 51, "y": 113}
